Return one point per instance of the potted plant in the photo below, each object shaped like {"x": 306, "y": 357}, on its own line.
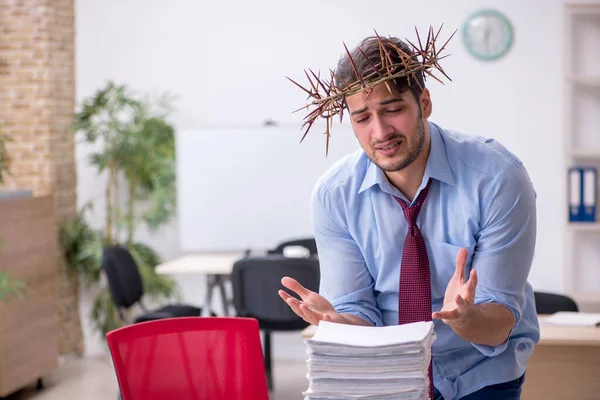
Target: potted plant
{"x": 137, "y": 152}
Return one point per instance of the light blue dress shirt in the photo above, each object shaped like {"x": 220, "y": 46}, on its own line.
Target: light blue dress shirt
{"x": 481, "y": 198}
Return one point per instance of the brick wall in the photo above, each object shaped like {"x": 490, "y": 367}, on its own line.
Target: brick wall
{"x": 37, "y": 92}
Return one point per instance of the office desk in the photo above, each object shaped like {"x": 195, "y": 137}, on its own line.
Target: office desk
{"x": 565, "y": 364}
{"x": 216, "y": 267}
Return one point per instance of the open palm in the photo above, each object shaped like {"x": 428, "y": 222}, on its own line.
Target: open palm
{"x": 460, "y": 295}
{"x": 313, "y": 307}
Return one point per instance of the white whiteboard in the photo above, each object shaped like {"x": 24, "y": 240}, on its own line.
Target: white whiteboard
{"x": 240, "y": 188}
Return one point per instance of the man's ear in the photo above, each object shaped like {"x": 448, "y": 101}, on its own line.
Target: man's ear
{"x": 426, "y": 105}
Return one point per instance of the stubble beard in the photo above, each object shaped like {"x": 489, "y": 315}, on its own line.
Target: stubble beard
{"x": 411, "y": 155}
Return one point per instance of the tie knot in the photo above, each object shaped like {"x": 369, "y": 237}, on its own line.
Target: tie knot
{"x": 411, "y": 213}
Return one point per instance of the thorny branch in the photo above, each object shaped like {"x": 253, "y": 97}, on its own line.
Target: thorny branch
{"x": 328, "y": 99}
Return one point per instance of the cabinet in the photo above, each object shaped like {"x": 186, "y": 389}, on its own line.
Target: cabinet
{"x": 28, "y": 327}
{"x": 582, "y": 146}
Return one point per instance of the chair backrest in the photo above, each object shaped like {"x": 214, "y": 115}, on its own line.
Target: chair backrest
{"x": 549, "y": 303}
{"x": 256, "y": 281}
{"x": 189, "y": 358}
{"x": 123, "y": 276}
{"x": 308, "y": 243}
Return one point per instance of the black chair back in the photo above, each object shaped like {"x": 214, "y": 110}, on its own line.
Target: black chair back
{"x": 308, "y": 243}
{"x": 256, "y": 281}
{"x": 549, "y": 303}
{"x": 123, "y": 276}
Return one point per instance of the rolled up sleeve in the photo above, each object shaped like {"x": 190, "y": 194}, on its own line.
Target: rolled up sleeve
{"x": 505, "y": 245}
{"x": 345, "y": 279}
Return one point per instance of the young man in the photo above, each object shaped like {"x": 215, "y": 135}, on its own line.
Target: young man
{"x": 467, "y": 255}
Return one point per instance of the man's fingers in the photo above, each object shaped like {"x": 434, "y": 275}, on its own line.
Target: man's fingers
{"x": 472, "y": 283}
{"x": 295, "y": 306}
{"x": 456, "y": 313}
{"x": 460, "y": 303}
{"x": 302, "y": 310}
{"x": 452, "y": 314}
{"x": 295, "y": 286}
{"x": 292, "y": 302}
{"x": 474, "y": 277}
{"x": 284, "y": 295}
{"x": 461, "y": 261}
{"x": 311, "y": 316}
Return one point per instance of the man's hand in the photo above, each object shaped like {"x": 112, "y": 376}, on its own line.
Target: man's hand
{"x": 488, "y": 324}
{"x": 313, "y": 307}
{"x": 459, "y": 296}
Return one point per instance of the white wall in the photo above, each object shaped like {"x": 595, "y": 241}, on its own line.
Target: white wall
{"x": 226, "y": 62}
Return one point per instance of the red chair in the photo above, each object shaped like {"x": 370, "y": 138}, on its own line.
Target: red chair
{"x": 190, "y": 358}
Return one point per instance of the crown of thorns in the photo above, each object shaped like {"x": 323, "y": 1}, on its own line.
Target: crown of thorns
{"x": 328, "y": 97}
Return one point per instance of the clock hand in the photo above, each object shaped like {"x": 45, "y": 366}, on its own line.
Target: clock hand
{"x": 486, "y": 38}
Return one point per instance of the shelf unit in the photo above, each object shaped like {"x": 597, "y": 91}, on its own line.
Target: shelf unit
{"x": 582, "y": 146}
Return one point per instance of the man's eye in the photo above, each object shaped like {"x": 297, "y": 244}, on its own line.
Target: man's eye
{"x": 361, "y": 120}
{"x": 394, "y": 110}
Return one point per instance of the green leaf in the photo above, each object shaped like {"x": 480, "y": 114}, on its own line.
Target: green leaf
{"x": 155, "y": 286}
{"x": 10, "y": 287}
{"x": 104, "y": 313}
{"x": 82, "y": 247}
{"x": 131, "y": 138}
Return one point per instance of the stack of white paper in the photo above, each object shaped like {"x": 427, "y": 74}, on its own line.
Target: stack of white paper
{"x": 571, "y": 318}
{"x": 347, "y": 362}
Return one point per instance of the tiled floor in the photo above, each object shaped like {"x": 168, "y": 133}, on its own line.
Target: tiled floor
{"x": 94, "y": 379}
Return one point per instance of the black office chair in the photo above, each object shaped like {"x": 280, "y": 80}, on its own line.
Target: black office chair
{"x": 126, "y": 287}
{"x": 549, "y": 303}
{"x": 309, "y": 243}
{"x": 256, "y": 281}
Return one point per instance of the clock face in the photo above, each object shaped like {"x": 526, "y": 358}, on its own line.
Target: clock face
{"x": 488, "y": 34}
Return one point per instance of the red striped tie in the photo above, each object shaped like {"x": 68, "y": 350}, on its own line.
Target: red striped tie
{"x": 414, "y": 301}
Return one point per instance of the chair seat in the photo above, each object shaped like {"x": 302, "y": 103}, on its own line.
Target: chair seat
{"x": 276, "y": 325}
{"x": 170, "y": 311}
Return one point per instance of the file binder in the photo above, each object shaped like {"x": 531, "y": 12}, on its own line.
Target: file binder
{"x": 589, "y": 194}
{"x": 582, "y": 194}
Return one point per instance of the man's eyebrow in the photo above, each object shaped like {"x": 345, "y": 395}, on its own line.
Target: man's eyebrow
{"x": 389, "y": 101}
{"x": 362, "y": 110}
{"x": 381, "y": 103}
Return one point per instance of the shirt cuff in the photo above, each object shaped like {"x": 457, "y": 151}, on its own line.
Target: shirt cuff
{"x": 492, "y": 351}
{"x": 371, "y": 316}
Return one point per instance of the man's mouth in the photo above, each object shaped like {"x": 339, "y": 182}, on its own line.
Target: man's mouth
{"x": 389, "y": 146}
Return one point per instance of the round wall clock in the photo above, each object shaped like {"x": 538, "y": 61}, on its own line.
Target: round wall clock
{"x": 487, "y": 34}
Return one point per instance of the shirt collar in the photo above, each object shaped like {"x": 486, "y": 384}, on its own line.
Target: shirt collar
{"x": 437, "y": 165}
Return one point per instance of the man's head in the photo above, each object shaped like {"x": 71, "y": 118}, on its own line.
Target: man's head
{"x": 388, "y": 119}
{"x": 377, "y": 60}
{"x": 368, "y": 54}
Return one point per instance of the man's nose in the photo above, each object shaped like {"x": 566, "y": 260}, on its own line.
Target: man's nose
{"x": 381, "y": 129}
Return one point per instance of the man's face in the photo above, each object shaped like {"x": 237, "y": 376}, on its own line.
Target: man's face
{"x": 390, "y": 127}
